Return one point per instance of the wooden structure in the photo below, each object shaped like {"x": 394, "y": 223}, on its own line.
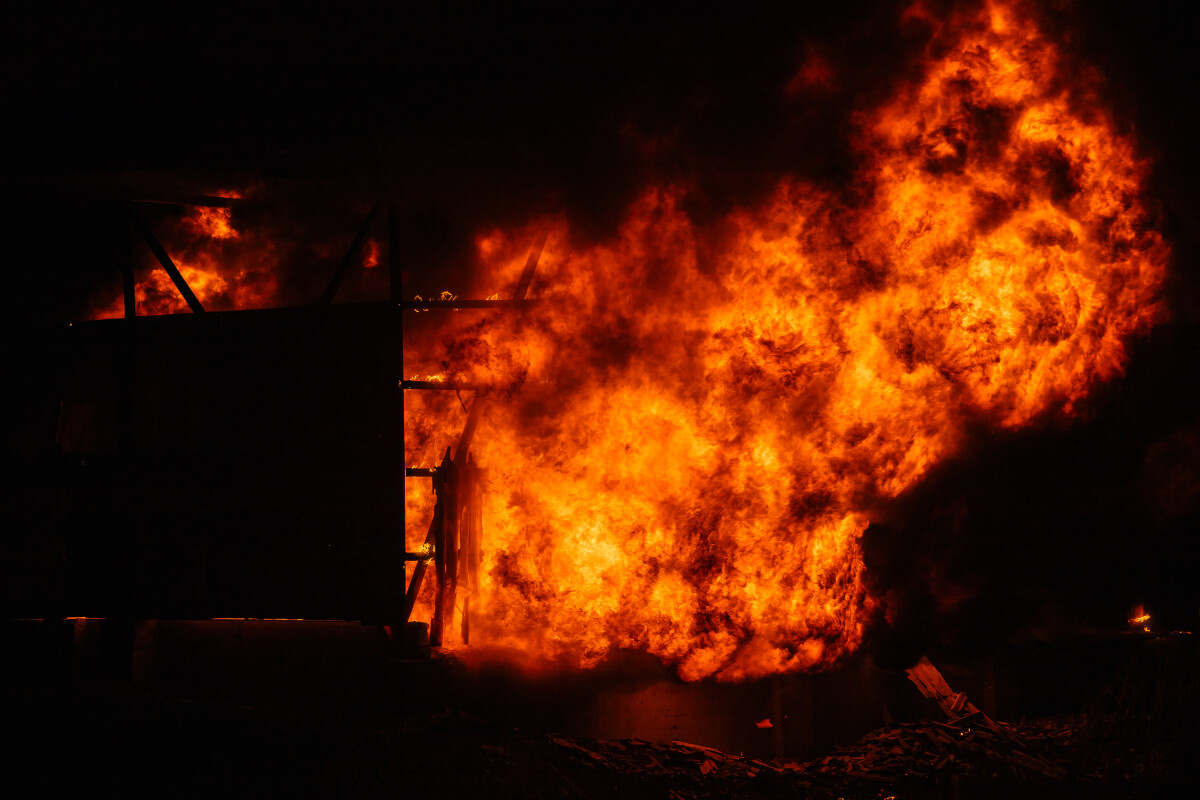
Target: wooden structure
{"x": 453, "y": 543}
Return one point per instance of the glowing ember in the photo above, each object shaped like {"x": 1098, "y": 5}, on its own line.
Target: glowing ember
{"x": 1140, "y": 619}
{"x": 730, "y": 401}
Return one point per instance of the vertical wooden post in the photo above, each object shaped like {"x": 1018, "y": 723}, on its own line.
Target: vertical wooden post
{"x": 467, "y": 564}
{"x": 127, "y": 283}
{"x": 473, "y": 555}
{"x": 394, "y": 275}
{"x": 351, "y": 256}
{"x": 446, "y": 535}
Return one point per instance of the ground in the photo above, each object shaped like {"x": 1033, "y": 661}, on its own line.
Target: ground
{"x": 70, "y": 735}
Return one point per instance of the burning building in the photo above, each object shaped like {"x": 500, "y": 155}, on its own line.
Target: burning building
{"x": 787, "y": 346}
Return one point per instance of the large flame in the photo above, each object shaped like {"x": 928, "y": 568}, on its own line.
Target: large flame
{"x": 692, "y": 432}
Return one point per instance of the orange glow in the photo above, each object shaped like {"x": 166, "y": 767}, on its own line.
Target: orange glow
{"x": 214, "y": 223}
{"x": 225, "y": 268}
{"x": 371, "y": 254}
{"x": 728, "y": 403}
{"x": 1140, "y": 619}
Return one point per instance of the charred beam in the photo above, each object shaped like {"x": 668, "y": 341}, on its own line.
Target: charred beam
{"x": 420, "y": 472}
{"x": 165, "y": 260}
{"x": 351, "y": 255}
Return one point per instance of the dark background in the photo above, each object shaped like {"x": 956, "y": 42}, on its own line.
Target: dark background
{"x": 468, "y": 115}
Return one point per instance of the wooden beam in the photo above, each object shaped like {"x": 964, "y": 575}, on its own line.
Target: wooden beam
{"x": 414, "y": 586}
{"x": 420, "y": 472}
{"x": 527, "y": 274}
{"x": 445, "y": 544}
{"x": 446, "y": 386}
{"x": 355, "y": 248}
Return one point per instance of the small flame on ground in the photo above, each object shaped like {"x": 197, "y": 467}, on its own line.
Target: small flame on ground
{"x": 1140, "y": 619}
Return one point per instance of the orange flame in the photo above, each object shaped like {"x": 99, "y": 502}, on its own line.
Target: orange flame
{"x": 213, "y": 223}
{"x": 224, "y": 269}
{"x": 729, "y": 402}
{"x": 371, "y": 254}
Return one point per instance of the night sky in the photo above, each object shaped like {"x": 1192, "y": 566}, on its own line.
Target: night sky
{"x": 467, "y": 116}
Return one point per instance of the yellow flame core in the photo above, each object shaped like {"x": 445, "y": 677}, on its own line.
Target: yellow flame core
{"x": 730, "y": 401}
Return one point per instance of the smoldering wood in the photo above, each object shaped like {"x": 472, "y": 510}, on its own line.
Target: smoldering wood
{"x": 930, "y": 682}
{"x": 167, "y": 264}
{"x": 419, "y": 472}
{"x": 356, "y": 246}
{"x": 966, "y": 722}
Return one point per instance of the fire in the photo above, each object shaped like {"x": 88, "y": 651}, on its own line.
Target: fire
{"x": 730, "y": 401}
{"x": 371, "y": 254}
{"x": 1140, "y": 619}
{"x": 224, "y": 268}
{"x": 213, "y": 223}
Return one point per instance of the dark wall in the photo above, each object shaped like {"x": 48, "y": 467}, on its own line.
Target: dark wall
{"x": 234, "y": 464}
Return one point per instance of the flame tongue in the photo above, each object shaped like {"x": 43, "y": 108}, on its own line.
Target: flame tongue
{"x": 730, "y": 402}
